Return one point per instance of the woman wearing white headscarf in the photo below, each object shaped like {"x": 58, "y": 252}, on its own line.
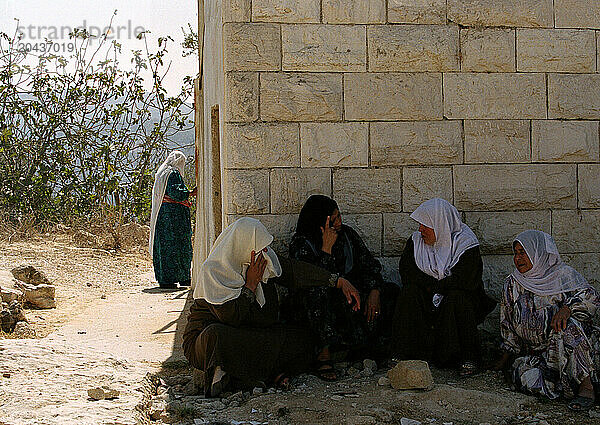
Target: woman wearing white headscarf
{"x": 442, "y": 298}
{"x": 545, "y": 318}
{"x": 170, "y": 242}
{"x": 235, "y": 332}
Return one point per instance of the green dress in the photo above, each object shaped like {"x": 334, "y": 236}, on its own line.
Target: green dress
{"x": 172, "y": 256}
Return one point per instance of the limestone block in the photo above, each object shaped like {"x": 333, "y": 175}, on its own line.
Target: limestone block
{"x": 8, "y": 295}
{"x": 495, "y": 270}
{"x": 505, "y": 13}
{"x": 402, "y": 143}
{"x": 512, "y": 187}
{"x": 39, "y": 296}
{"x": 577, "y": 13}
{"x": 286, "y": 10}
{"x": 30, "y": 274}
{"x": 554, "y": 50}
{"x": 324, "y": 48}
{"x": 389, "y": 269}
{"x": 417, "y": 11}
{"x": 282, "y": 228}
{"x": 413, "y": 48}
{"x": 291, "y": 187}
{"x": 494, "y": 96}
{"x": 496, "y": 230}
{"x": 586, "y": 264}
{"x": 369, "y": 227}
{"x": 589, "y": 187}
{"x": 576, "y": 231}
{"x": 247, "y": 191}
{"x": 401, "y": 96}
{"x": 23, "y": 330}
{"x": 397, "y": 229}
{"x": 102, "y": 393}
{"x": 361, "y": 190}
{"x": 411, "y": 374}
{"x": 252, "y": 47}
{"x": 353, "y": 12}
{"x": 300, "y": 97}
{"x": 334, "y": 144}
{"x": 487, "y": 49}
{"x": 574, "y": 96}
{"x": 493, "y": 141}
{"x": 241, "y": 95}
{"x": 421, "y": 184}
{"x": 564, "y": 141}
{"x": 236, "y": 10}
{"x": 262, "y": 145}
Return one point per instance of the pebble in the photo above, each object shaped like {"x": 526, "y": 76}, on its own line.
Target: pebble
{"x": 352, "y": 372}
{"x": 102, "y": 393}
{"x": 384, "y": 381}
{"x": 337, "y": 397}
{"x": 408, "y": 421}
{"x": 370, "y": 364}
{"x": 257, "y": 391}
{"x": 595, "y": 414}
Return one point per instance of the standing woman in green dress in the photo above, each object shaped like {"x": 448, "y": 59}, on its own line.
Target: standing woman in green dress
{"x": 170, "y": 224}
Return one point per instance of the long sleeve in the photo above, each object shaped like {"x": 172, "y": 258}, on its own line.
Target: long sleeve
{"x": 410, "y": 273}
{"x": 368, "y": 266}
{"x": 583, "y": 303}
{"x": 301, "y": 249}
{"x": 176, "y": 188}
{"x": 299, "y": 274}
{"x": 510, "y": 340}
{"x": 465, "y": 275}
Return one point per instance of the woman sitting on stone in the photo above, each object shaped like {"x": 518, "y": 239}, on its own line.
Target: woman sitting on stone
{"x": 442, "y": 298}
{"x": 323, "y": 240}
{"x": 234, "y": 333}
{"x": 545, "y": 318}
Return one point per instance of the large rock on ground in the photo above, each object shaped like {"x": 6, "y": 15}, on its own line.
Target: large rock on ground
{"x": 40, "y": 296}
{"x": 8, "y": 295}
{"x": 30, "y": 274}
{"x": 411, "y": 374}
{"x": 24, "y": 330}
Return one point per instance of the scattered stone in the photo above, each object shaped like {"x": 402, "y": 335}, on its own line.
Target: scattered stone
{"x": 367, "y": 372}
{"x": 384, "y": 381}
{"x": 594, "y": 414}
{"x": 257, "y": 391}
{"x": 370, "y": 364}
{"x": 361, "y": 420}
{"x": 16, "y": 309}
{"x": 156, "y": 409}
{"x": 357, "y": 365}
{"x": 102, "y": 393}
{"x": 190, "y": 388}
{"x": 353, "y": 372}
{"x": 7, "y": 321}
{"x": 336, "y": 397}
{"x": 411, "y": 374}
{"x": 40, "y": 296}
{"x": 198, "y": 379}
{"x": 408, "y": 421}
{"x": 9, "y": 295}
{"x": 23, "y": 330}
{"x": 30, "y": 274}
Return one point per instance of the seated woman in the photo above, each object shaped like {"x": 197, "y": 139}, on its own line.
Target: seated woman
{"x": 442, "y": 298}
{"x": 323, "y": 240}
{"x": 545, "y": 318}
{"x": 233, "y": 332}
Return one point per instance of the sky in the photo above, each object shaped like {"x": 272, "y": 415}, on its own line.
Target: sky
{"x": 42, "y": 18}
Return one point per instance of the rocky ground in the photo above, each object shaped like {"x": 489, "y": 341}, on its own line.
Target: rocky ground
{"x": 112, "y": 327}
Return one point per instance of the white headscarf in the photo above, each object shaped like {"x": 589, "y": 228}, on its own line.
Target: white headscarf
{"x": 549, "y": 274}
{"x": 222, "y": 275}
{"x": 453, "y": 238}
{"x": 175, "y": 161}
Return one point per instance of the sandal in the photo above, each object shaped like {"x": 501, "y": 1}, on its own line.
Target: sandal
{"x": 581, "y": 404}
{"x": 324, "y": 370}
{"x": 283, "y": 382}
{"x": 468, "y": 368}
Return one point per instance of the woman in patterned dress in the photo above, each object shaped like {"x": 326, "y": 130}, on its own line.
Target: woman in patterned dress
{"x": 545, "y": 322}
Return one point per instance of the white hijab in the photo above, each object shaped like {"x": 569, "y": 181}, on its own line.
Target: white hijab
{"x": 222, "y": 275}
{"x": 453, "y": 238}
{"x": 175, "y": 161}
{"x": 549, "y": 274}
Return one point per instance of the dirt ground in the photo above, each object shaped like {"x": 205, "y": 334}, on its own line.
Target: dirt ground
{"x": 92, "y": 282}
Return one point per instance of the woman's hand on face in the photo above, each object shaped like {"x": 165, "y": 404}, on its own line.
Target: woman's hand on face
{"x": 329, "y": 236}
{"x": 559, "y": 321}
{"x": 255, "y": 271}
{"x": 350, "y": 292}
{"x": 373, "y": 305}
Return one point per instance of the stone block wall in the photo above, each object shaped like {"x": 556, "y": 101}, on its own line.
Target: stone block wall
{"x": 382, "y": 104}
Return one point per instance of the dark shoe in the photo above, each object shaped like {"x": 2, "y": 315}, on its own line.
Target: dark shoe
{"x": 186, "y": 283}
{"x": 167, "y": 286}
{"x": 581, "y": 404}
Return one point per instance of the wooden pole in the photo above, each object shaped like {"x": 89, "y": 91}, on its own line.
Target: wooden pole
{"x": 215, "y": 136}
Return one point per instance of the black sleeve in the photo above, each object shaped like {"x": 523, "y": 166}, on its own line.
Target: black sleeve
{"x": 300, "y": 274}
{"x": 466, "y": 274}
{"x": 369, "y": 266}
{"x": 410, "y": 274}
